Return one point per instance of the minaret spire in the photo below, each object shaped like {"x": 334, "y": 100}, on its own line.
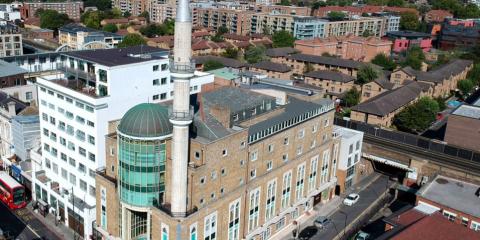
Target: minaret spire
{"x": 182, "y": 70}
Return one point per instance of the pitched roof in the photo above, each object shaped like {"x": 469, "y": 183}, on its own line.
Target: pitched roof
{"x": 236, "y": 37}
{"x": 436, "y": 227}
{"x": 227, "y": 62}
{"x": 280, "y": 52}
{"x": 441, "y": 73}
{"x": 390, "y": 101}
{"x": 271, "y": 66}
{"x": 326, "y": 60}
{"x": 5, "y": 99}
{"x": 330, "y": 75}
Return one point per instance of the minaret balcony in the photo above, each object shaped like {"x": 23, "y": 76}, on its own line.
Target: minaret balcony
{"x": 180, "y": 115}
{"x": 185, "y": 68}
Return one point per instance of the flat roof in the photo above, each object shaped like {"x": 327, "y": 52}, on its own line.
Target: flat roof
{"x": 470, "y": 111}
{"x": 120, "y": 56}
{"x": 453, "y": 193}
{"x": 225, "y": 73}
{"x": 9, "y": 69}
{"x": 346, "y": 132}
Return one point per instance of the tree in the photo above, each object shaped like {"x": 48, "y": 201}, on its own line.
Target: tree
{"x": 212, "y": 65}
{"x": 153, "y": 30}
{"x": 101, "y": 5}
{"x": 351, "y": 98}
{"x": 127, "y": 14}
{"x": 469, "y": 11}
{"x": 417, "y": 117}
{"x": 308, "y": 68}
{"x": 284, "y": 3}
{"x": 385, "y": 62}
{"x": 51, "y": 19}
{"x": 366, "y": 74}
{"x": 474, "y": 74}
{"x": 465, "y": 86}
{"x": 132, "y": 39}
{"x": 146, "y": 15}
{"x": 92, "y": 19}
{"x": 110, "y": 28}
{"x": 336, "y": 16}
{"x": 255, "y": 54}
{"x": 282, "y": 39}
{"x": 396, "y": 3}
{"x": 409, "y": 21}
{"x": 230, "y": 53}
{"x": 222, "y": 30}
{"x": 414, "y": 58}
{"x": 318, "y": 4}
{"x": 367, "y": 33}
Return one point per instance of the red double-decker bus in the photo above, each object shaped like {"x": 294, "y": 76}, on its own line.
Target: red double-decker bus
{"x": 12, "y": 193}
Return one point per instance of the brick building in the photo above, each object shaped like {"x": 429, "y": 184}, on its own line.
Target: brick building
{"x": 437, "y": 16}
{"x": 334, "y": 84}
{"x": 272, "y": 70}
{"x": 462, "y": 124}
{"x": 72, "y": 8}
{"x": 403, "y": 40}
{"x": 347, "y": 47}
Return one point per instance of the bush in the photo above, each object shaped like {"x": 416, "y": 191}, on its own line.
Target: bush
{"x": 417, "y": 117}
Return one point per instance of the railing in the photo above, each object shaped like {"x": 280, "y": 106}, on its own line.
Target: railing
{"x": 182, "y": 68}
{"x": 180, "y": 115}
{"x": 411, "y": 139}
{"x": 78, "y": 73}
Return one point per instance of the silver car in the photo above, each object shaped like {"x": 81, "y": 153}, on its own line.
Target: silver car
{"x": 321, "y": 221}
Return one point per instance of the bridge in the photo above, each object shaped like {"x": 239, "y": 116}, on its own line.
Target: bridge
{"x": 412, "y": 149}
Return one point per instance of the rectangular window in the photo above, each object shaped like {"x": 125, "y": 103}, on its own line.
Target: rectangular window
{"x": 287, "y": 184}
{"x": 164, "y": 67}
{"x": 91, "y": 157}
{"x": 80, "y": 135}
{"x": 83, "y": 185}
{"x": 90, "y": 123}
{"x": 155, "y": 82}
{"x": 72, "y": 162}
{"x": 163, "y": 96}
{"x": 254, "y": 155}
{"x": 155, "y": 97}
{"x": 210, "y": 227}
{"x": 312, "y": 177}
{"x": 163, "y": 81}
{"x": 73, "y": 179}
{"x": 82, "y": 151}
{"x": 155, "y": 68}
{"x": 91, "y": 139}
{"x": 300, "y": 181}
{"x": 270, "y": 204}
{"x": 254, "y": 203}
{"x": 64, "y": 174}
{"x": 234, "y": 220}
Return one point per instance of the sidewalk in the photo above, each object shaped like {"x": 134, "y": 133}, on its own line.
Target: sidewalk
{"x": 324, "y": 209}
{"x": 62, "y": 231}
{"x": 304, "y": 220}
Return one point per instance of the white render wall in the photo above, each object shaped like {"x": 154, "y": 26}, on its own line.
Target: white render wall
{"x": 349, "y": 138}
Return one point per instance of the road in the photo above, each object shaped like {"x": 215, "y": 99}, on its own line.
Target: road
{"x": 23, "y": 225}
{"x": 344, "y": 215}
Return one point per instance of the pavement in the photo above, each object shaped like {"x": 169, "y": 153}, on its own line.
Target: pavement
{"x": 369, "y": 188}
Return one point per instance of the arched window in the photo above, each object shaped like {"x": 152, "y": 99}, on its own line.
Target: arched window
{"x": 193, "y": 232}
{"x": 164, "y": 233}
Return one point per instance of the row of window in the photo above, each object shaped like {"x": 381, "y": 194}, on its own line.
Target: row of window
{"x": 78, "y": 104}
{"x": 72, "y": 178}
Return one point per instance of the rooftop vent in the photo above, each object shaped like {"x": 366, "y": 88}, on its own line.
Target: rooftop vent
{"x": 441, "y": 181}
{"x": 143, "y": 56}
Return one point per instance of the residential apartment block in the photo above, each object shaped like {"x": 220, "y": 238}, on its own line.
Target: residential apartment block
{"x": 403, "y": 40}
{"x": 10, "y": 11}
{"x": 350, "y": 154}
{"x": 72, "y": 8}
{"x": 347, "y": 47}
{"x": 78, "y": 37}
{"x": 95, "y": 87}
{"x": 10, "y": 40}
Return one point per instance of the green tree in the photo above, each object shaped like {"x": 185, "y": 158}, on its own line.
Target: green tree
{"x": 414, "y": 58}
{"x": 385, "y": 62}
{"x": 231, "y": 53}
{"x": 110, "y": 28}
{"x": 409, "y": 21}
{"x": 417, "y": 117}
{"x": 127, "y": 14}
{"x": 474, "y": 74}
{"x": 336, "y": 16}
{"x": 255, "y": 54}
{"x": 366, "y": 74}
{"x": 367, "y": 33}
{"x": 132, "y": 39}
{"x": 282, "y": 39}
{"x": 222, "y": 30}
{"x": 212, "y": 65}
{"x": 217, "y": 38}
{"x": 92, "y": 19}
{"x": 51, "y": 19}
{"x": 441, "y": 103}
{"x": 116, "y": 13}
{"x": 318, "y": 4}
{"x": 284, "y": 3}
{"x": 468, "y": 11}
{"x": 465, "y": 86}
{"x": 396, "y": 3}
{"x": 101, "y": 5}
{"x": 351, "y": 98}
{"x": 146, "y": 15}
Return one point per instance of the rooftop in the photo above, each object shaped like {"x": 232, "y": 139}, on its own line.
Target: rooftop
{"x": 235, "y": 99}
{"x": 225, "y": 73}
{"x": 120, "y": 56}
{"x": 5, "y": 99}
{"x": 467, "y": 111}
{"x": 346, "y": 132}
{"x": 271, "y": 66}
{"x": 387, "y": 102}
{"x": 326, "y": 60}
{"x": 330, "y": 75}
{"x": 227, "y": 62}
{"x": 437, "y": 75}
{"x": 408, "y": 34}
{"x": 75, "y": 28}
{"x": 9, "y": 69}
{"x": 280, "y": 52}
{"x": 452, "y": 193}
{"x": 146, "y": 120}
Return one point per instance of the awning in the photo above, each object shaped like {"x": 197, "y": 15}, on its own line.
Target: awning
{"x": 387, "y": 162}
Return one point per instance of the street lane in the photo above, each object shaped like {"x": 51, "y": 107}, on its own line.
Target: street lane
{"x": 23, "y": 225}
{"x": 347, "y": 214}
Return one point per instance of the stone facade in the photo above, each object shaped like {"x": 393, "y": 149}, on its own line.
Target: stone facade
{"x": 229, "y": 170}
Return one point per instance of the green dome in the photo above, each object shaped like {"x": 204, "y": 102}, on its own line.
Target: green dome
{"x": 146, "y": 120}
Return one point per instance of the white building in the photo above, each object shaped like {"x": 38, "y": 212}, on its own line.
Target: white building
{"x": 350, "y": 153}
{"x": 10, "y": 11}
{"x": 98, "y": 86}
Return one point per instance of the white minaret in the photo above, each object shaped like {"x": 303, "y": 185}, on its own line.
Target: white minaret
{"x": 182, "y": 69}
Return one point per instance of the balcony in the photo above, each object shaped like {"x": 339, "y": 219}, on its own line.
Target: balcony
{"x": 181, "y": 115}
{"x": 77, "y": 73}
{"x": 184, "y": 68}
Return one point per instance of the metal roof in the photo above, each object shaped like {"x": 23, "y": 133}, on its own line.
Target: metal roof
{"x": 146, "y": 120}
{"x": 9, "y": 69}
{"x": 468, "y": 111}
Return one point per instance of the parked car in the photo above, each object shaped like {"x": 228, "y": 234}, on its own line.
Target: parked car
{"x": 351, "y": 199}
{"x": 321, "y": 221}
{"x": 362, "y": 236}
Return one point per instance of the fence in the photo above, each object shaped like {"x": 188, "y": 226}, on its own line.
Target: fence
{"x": 410, "y": 139}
